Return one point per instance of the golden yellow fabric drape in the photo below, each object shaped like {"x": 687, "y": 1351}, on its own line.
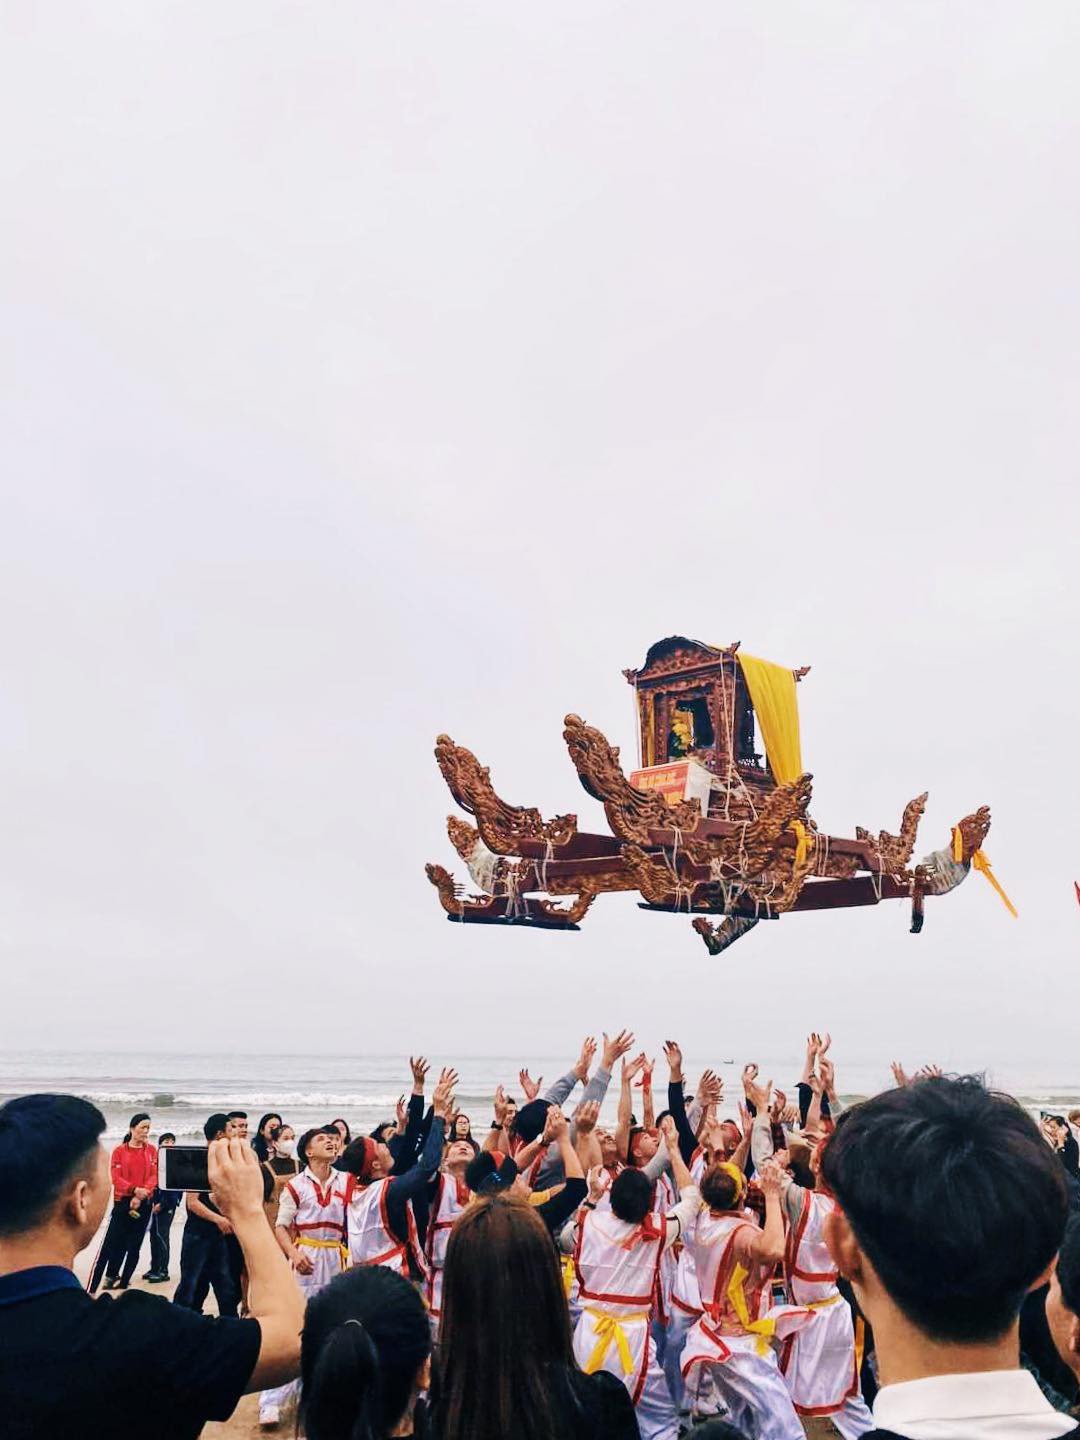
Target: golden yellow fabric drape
{"x": 772, "y": 692}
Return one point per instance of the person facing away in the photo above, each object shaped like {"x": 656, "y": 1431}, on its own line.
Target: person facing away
{"x": 950, "y": 1208}
{"x": 1063, "y": 1305}
{"x": 68, "y": 1362}
{"x": 365, "y": 1358}
{"x": 506, "y": 1364}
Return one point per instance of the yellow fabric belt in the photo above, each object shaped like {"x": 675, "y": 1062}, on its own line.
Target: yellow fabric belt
{"x": 824, "y": 1304}
{"x": 609, "y": 1331}
{"x": 315, "y": 1244}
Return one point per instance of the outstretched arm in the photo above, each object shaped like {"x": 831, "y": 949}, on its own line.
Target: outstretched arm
{"x": 626, "y": 1105}
{"x": 648, "y": 1107}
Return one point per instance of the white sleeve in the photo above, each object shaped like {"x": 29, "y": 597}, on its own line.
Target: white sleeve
{"x": 286, "y": 1210}
{"x": 683, "y": 1213}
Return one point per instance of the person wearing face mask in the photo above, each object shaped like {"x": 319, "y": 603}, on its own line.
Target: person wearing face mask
{"x": 279, "y": 1167}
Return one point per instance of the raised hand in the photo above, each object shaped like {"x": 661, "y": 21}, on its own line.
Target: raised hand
{"x": 782, "y": 1158}
{"x": 770, "y": 1177}
{"x": 673, "y": 1056}
{"x": 586, "y": 1115}
{"x": 828, "y": 1075}
{"x": 813, "y": 1046}
{"x": 759, "y": 1094}
{"x": 556, "y": 1126}
{"x": 632, "y": 1068}
{"x": 419, "y": 1068}
{"x": 402, "y": 1115}
{"x": 826, "y": 1041}
{"x": 900, "y": 1075}
{"x": 746, "y": 1120}
{"x": 443, "y": 1098}
{"x": 789, "y": 1116}
{"x": 617, "y": 1048}
{"x": 598, "y": 1183}
{"x": 500, "y": 1105}
{"x": 749, "y": 1075}
{"x": 585, "y": 1059}
{"x": 530, "y": 1086}
{"x": 710, "y": 1090}
{"x": 928, "y": 1072}
{"x": 645, "y": 1082}
{"x": 776, "y": 1107}
{"x": 670, "y": 1132}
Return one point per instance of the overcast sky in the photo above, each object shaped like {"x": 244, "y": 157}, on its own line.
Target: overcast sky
{"x": 371, "y": 371}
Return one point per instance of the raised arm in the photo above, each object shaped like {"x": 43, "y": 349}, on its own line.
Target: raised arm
{"x": 498, "y": 1137}
{"x": 556, "y": 1211}
{"x": 583, "y": 1133}
{"x": 767, "y": 1245}
{"x": 677, "y": 1101}
{"x": 274, "y": 1298}
{"x": 648, "y": 1107}
{"x": 597, "y": 1087}
{"x": 626, "y": 1104}
{"x": 689, "y": 1197}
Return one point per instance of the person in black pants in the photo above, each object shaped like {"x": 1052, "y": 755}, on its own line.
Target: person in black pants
{"x": 161, "y": 1217}
{"x": 204, "y": 1258}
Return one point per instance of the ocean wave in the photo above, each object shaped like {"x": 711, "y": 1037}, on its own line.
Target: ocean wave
{"x": 230, "y": 1099}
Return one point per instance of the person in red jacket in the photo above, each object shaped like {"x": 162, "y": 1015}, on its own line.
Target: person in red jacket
{"x": 134, "y": 1180}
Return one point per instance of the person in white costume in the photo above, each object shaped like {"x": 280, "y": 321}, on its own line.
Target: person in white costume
{"x": 731, "y": 1344}
{"x": 310, "y": 1229}
{"x": 451, "y": 1195}
{"x": 379, "y": 1210}
{"x": 819, "y": 1364}
{"x": 617, "y": 1258}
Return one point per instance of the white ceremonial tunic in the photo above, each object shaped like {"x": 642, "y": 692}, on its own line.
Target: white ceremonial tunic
{"x": 451, "y": 1198}
{"x": 314, "y": 1214}
{"x": 820, "y": 1364}
{"x": 371, "y": 1240}
{"x": 731, "y": 1343}
{"x": 618, "y": 1267}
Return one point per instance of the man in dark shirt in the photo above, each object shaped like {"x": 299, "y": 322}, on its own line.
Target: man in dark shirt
{"x": 67, "y": 1361}
{"x": 204, "y": 1254}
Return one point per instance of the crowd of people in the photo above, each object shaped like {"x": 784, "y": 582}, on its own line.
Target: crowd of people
{"x": 729, "y": 1270}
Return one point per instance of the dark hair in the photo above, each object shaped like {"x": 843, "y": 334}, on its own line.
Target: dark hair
{"x": 237, "y": 1115}
{"x": 504, "y": 1366}
{"x": 715, "y": 1430}
{"x": 530, "y": 1120}
{"x": 955, "y": 1198}
{"x": 1068, "y": 1266}
{"x": 365, "y": 1337}
{"x": 259, "y": 1142}
{"x": 165, "y": 1135}
{"x": 135, "y": 1120}
{"x": 302, "y": 1143}
{"x": 719, "y": 1188}
{"x": 46, "y": 1142}
{"x": 340, "y": 1120}
{"x": 631, "y": 1196}
{"x": 379, "y": 1133}
{"x": 215, "y": 1126}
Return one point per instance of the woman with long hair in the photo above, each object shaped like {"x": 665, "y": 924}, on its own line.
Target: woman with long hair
{"x": 364, "y": 1358}
{"x": 462, "y": 1130}
{"x": 263, "y": 1142}
{"x": 505, "y": 1363}
{"x": 133, "y": 1168}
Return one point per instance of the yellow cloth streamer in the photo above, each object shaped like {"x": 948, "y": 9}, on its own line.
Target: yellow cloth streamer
{"x": 802, "y": 840}
{"x": 982, "y": 864}
{"x": 957, "y": 845}
{"x": 764, "y": 1330}
{"x": 772, "y": 693}
{"x": 609, "y": 1331}
{"x": 569, "y": 1274}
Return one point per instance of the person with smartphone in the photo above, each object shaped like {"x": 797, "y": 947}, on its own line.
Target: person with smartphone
{"x": 68, "y": 1362}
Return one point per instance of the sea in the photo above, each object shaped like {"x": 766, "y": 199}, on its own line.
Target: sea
{"x": 179, "y": 1091}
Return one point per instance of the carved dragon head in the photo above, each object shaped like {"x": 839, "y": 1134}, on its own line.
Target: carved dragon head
{"x": 973, "y": 830}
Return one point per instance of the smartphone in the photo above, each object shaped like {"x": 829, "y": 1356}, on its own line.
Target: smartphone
{"x": 183, "y": 1167}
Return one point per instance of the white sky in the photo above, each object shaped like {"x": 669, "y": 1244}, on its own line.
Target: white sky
{"x": 371, "y": 371}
